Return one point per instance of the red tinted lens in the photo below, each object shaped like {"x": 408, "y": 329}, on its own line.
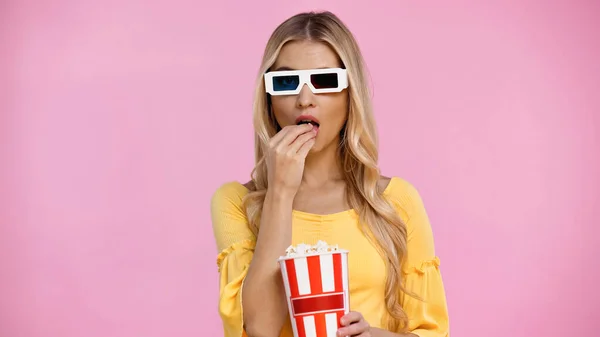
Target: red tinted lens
{"x": 324, "y": 81}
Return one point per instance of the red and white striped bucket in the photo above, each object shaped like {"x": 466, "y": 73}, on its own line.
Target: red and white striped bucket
{"x": 316, "y": 287}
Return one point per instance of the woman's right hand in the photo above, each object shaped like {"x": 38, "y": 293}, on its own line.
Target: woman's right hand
{"x": 286, "y": 153}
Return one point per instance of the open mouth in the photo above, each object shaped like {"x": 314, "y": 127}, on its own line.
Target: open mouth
{"x": 311, "y": 122}
{"x": 308, "y": 121}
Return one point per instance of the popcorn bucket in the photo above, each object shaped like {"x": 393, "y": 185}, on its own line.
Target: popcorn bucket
{"x": 316, "y": 287}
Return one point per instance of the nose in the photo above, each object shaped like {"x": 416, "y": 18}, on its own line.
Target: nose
{"x": 305, "y": 98}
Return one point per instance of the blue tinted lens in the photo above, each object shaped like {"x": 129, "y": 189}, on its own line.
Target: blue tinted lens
{"x": 284, "y": 83}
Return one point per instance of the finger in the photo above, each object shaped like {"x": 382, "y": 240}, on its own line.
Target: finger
{"x": 293, "y": 132}
{"x": 364, "y": 334}
{"x": 351, "y": 317}
{"x": 303, "y": 150}
{"x": 278, "y": 136}
{"x": 355, "y": 329}
{"x": 303, "y": 138}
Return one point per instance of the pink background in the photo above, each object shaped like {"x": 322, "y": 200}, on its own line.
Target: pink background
{"x": 120, "y": 118}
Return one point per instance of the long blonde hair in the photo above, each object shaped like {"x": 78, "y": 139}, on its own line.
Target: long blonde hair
{"x": 358, "y": 149}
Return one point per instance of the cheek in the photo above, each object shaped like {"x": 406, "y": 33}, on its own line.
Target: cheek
{"x": 338, "y": 112}
{"x": 282, "y": 108}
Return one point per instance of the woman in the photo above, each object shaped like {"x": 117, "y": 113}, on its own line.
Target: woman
{"x": 316, "y": 178}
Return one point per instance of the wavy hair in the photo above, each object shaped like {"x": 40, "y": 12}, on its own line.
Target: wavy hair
{"x": 358, "y": 148}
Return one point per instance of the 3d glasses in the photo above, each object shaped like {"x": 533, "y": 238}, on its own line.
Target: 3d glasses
{"x": 320, "y": 81}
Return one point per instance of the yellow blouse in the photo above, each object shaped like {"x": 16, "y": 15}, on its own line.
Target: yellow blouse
{"x": 421, "y": 273}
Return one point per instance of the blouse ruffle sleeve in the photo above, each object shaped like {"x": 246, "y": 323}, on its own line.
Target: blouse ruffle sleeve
{"x": 235, "y": 244}
{"x": 428, "y": 316}
{"x": 428, "y": 313}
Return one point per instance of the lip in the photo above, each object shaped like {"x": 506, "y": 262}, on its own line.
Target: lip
{"x": 307, "y": 117}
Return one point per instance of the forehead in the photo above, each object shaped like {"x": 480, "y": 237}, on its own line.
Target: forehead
{"x": 299, "y": 55}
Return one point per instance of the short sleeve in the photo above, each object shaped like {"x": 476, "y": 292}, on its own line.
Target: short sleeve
{"x": 235, "y": 244}
{"x": 427, "y": 314}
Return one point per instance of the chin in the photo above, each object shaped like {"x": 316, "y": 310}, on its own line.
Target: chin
{"x": 318, "y": 147}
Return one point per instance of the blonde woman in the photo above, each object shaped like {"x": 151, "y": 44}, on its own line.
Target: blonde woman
{"x": 316, "y": 178}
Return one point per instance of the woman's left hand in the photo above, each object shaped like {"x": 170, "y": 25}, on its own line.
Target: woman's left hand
{"x": 354, "y": 324}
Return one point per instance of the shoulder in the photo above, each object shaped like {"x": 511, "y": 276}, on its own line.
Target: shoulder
{"x": 403, "y": 195}
{"x": 229, "y": 220}
{"x": 229, "y": 193}
{"x": 383, "y": 183}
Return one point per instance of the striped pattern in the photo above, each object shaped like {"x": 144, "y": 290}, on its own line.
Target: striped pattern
{"x": 317, "y": 288}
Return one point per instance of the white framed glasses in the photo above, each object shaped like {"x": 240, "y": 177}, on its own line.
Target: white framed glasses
{"x": 320, "y": 81}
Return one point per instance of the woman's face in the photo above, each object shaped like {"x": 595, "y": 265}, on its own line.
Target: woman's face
{"x": 329, "y": 109}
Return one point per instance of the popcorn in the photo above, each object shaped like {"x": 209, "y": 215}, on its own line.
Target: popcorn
{"x": 303, "y": 249}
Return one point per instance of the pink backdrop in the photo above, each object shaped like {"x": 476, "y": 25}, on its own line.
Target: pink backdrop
{"x": 120, "y": 118}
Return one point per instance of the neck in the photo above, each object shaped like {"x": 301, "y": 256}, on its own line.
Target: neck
{"x": 323, "y": 166}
